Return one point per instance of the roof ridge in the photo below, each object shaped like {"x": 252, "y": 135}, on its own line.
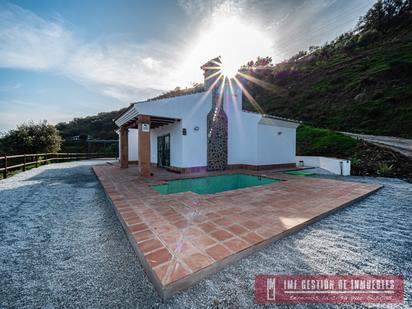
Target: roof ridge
{"x": 272, "y": 116}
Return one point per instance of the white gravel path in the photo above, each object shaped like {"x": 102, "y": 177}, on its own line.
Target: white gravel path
{"x": 61, "y": 246}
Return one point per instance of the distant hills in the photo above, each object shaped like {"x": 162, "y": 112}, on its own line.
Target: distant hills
{"x": 76, "y": 132}
{"x": 100, "y": 126}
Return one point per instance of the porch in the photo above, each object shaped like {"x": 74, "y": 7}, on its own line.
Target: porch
{"x": 144, "y": 124}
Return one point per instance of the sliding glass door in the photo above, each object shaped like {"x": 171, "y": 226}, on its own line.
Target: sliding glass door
{"x": 163, "y": 150}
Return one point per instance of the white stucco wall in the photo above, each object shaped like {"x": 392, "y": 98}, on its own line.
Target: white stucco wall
{"x": 253, "y": 140}
{"x": 175, "y": 131}
{"x": 310, "y": 161}
{"x": 132, "y": 138}
{"x": 194, "y": 150}
{"x": 242, "y": 128}
{"x": 133, "y": 150}
{"x": 334, "y": 165}
{"x": 243, "y": 138}
{"x": 276, "y": 145}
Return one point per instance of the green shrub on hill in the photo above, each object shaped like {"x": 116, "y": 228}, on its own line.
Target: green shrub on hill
{"x": 323, "y": 142}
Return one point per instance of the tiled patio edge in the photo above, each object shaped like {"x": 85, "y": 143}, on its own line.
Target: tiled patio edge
{"x": 186, "y": 282}
{"x": 148, "y": 270}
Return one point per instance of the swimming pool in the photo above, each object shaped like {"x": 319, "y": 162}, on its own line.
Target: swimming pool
{"x": 213, "y": 184}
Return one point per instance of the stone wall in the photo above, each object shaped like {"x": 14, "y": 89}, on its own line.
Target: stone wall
{"x": 217, "y": 132}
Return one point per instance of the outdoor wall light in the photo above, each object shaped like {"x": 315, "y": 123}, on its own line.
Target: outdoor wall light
{"x": 196, "y": 128}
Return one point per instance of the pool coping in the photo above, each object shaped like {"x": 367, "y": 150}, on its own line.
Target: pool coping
{"x": 168, "y": 290}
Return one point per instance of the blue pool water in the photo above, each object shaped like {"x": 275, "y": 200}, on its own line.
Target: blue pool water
{"x": 213, "y": 184}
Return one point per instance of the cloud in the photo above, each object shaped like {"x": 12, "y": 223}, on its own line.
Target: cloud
{"x": 29, "y": 42}
{"x": 206, "y": 8}
{"x": 123, "y": 70}
{"x": 130, "y": 94}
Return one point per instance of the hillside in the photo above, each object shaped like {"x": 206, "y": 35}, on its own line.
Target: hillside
{"x": 100, "y": 126}
{"x": 361, "y": 82}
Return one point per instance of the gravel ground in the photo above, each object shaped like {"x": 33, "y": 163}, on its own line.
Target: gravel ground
{"x": 62, "y": 246}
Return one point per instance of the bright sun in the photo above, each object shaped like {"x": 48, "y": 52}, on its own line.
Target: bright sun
{"x": 235, "y": 40}
{"x": 229, "y": 70}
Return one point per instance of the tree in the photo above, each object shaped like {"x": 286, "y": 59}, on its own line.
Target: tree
{"x": 31, "y": 138}
{"x": 261, "y": 62}
{"x": 384, "y": 14}
{"x": 298, "y": 56}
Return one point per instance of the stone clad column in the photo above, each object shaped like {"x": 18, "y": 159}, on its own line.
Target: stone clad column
{"x": 124, "y": 147}
{"x": 217, "y": 131}
{"x": 217, "y": 123}
{"x": 144, "y": 145}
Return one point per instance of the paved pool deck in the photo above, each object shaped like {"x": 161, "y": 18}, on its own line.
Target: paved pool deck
{"x": 182, "y": 238}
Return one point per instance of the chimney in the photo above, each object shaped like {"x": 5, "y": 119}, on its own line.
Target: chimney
{"x": 210, "y": 69}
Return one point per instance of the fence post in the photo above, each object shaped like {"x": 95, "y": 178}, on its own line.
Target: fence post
{"x": 24, "y": 163}
{"x": 37, "y": 160}
{"x": 5, "y": 167}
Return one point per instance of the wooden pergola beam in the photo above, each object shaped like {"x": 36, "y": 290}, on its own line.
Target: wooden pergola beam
{"x": 144, "y": 146}
{"x": 124, "y": 147}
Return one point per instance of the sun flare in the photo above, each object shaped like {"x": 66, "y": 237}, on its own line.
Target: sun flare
{"x": 228, "y": 69}
{"x": 234, "y": 39}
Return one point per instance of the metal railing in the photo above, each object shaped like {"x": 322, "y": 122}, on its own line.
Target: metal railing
{"x": 34, "y": 160}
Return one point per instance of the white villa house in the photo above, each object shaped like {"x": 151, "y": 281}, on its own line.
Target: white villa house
{"x": 204, "y": 131}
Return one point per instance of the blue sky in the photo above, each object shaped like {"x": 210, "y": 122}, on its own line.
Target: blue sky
{"x": 64, "y": 59}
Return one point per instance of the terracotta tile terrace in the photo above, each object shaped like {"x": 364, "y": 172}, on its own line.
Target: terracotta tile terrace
{"x": 181, "y": 238}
